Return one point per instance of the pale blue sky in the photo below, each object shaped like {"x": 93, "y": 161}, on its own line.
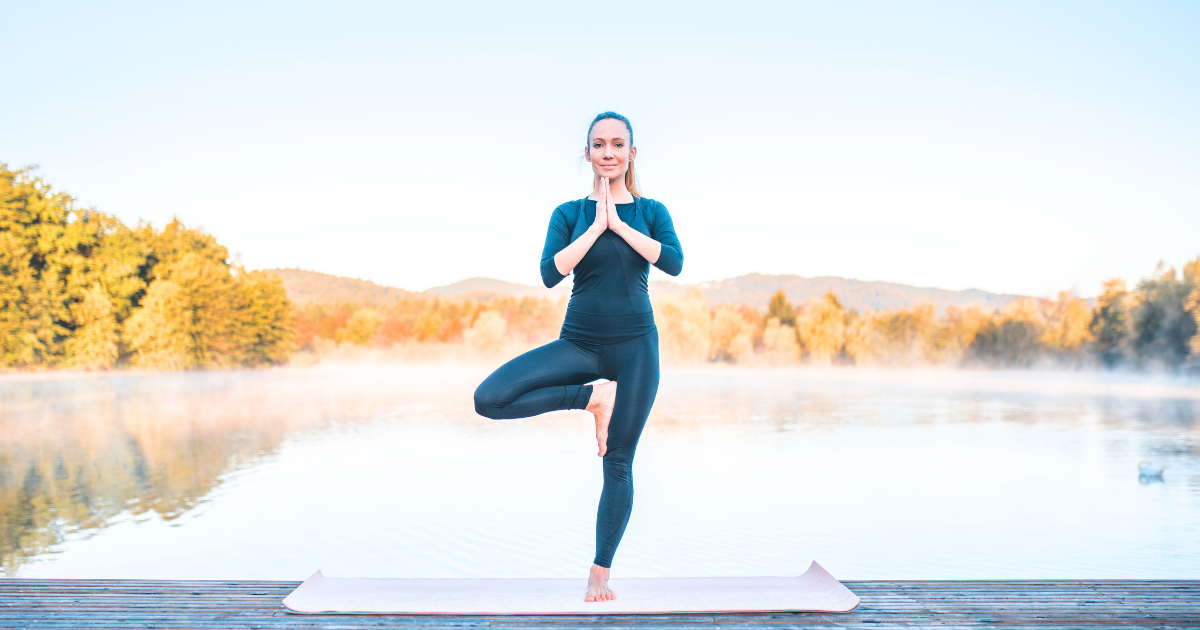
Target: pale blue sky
{"x": 1015, "y": 147}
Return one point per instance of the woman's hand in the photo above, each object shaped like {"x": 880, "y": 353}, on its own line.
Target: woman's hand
{"x": 601, "y": 223}
{"x": 569, "y": 256}
{"x": 610, "y": 208}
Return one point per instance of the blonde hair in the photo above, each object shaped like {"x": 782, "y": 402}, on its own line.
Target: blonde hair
{"x": 631, "y": 182}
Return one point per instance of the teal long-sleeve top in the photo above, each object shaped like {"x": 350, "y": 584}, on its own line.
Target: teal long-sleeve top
{"x": 612, "y": 278}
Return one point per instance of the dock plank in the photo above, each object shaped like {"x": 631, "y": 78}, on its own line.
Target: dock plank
{"x": 232, "y": 604}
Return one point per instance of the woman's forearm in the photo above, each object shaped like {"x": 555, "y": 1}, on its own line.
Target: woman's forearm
{"x": 569, "y": 256}
{"x": 649, "y": 248}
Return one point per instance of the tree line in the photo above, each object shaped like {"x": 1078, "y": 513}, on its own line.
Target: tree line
{"x": 80, "y": 289}
{"x": 1153, "y": 326}
{"x": 487, "y": 325}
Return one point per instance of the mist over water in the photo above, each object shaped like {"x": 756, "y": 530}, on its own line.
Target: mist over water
{"x": 385, "y": 470}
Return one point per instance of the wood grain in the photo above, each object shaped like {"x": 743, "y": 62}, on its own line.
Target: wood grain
{"x": 1026, "y": 604}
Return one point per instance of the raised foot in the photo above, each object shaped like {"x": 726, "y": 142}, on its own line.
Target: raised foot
{"x": 598, "y": 590}
{"x": 604, "y": 397}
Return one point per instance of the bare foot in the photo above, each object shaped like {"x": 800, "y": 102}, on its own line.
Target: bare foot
{"x": 598, "y": 590}
{"x": 604, "y": 396}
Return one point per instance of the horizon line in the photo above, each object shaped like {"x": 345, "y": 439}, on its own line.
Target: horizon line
{"x": 699, "y": 284}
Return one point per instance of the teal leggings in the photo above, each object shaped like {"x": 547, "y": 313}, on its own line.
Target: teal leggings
{"x": 552, "y": 378}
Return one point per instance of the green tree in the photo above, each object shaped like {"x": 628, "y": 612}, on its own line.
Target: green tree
{"x": 1191, "y": 277}
{"x": 1012, "y": 337}
{"x": 1162, "y": 329}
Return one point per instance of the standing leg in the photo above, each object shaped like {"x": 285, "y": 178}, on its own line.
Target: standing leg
{"x": 544, "y": 379}
{"x": 634, "y": 366}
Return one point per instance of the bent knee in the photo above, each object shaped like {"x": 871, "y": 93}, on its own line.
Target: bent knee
{"x": 487, "y": 402}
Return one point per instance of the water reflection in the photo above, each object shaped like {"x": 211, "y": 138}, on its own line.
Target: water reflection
{"x": 386, "y": 470}
{"x": 79, "y": 451}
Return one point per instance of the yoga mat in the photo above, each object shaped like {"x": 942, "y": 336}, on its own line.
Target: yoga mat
{"x": 816, "y": 590}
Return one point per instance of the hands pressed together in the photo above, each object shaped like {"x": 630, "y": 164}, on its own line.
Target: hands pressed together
{"x": 606, "y": 219}
{"x": 606, "y": 210}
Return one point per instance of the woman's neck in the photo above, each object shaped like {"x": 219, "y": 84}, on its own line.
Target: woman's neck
{"x": 616, "y": 188}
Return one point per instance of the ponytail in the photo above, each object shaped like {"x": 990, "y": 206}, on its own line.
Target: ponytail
{"x": 631, "y": 178}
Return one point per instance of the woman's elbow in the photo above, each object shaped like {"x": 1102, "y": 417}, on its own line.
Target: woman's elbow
{"x": 550, "y": 274}
{"x": 671, "y": 264}
{"x": 551, "y": 279}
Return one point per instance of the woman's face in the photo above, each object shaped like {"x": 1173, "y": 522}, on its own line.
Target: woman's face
{"x": 609, "y": 150}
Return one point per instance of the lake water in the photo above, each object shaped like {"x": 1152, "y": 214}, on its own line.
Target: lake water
{"x": 385, "y": 470}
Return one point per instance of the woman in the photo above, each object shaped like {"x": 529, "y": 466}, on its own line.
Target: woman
{"x": 609, "y": 240}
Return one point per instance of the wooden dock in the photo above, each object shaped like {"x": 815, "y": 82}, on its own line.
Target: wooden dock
{"x": 97, "y": 604}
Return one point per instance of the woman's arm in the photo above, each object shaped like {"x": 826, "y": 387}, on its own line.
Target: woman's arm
{"x": 569, "y": 256}
{"x": 661, "y": 249}
{"x": 649, "y": 248}
{"x": 560, "y": 255}
{"x": 670, "y": 260}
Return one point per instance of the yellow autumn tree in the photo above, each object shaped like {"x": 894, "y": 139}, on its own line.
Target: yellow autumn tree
{"x": 158, "y": 332}
{"x": 683, "y": 327}
{"x": 779, "y": 343}
{"x": 488, "y": 333}
{"x": 822, "y": 328}
{"x": 731, "y": 335}
{"x": 360, "y": 328}
{"x": 909, "y": 334}
{"x": 93, "y": 344}
{"x": 1067, "y": 324}
{"x": 211, "y": 298}
{"x": 265, "y": 322}
{"x": 957, "y": 330}
{"x": 864, "y": 341}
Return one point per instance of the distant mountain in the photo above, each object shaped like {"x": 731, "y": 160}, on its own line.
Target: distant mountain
{"x": 756, "y": 289}
{"x": 861, "y": 295}
{"x": 311, "y": 286}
